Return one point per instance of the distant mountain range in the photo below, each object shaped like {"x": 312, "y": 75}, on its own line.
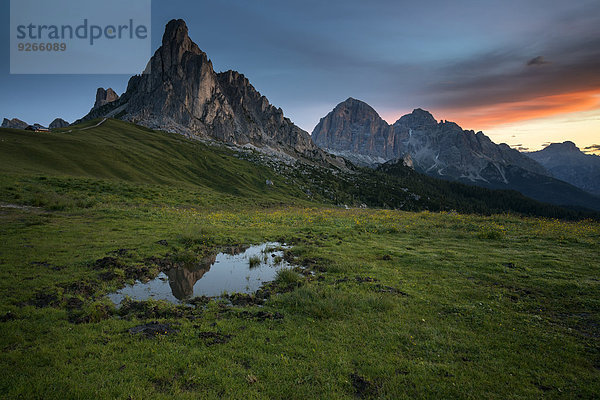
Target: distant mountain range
{"x": 180, "y": 92}
{"x": 354, "y": 130}
{"x": 18, "y": 124}
{"x": 566, "y": 162}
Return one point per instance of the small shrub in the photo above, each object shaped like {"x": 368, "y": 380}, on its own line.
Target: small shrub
{"x": 195, "y": 235}
{"x": 287, "y": 276}
{"x": 254, "y": 261}
{"x": 277, "y": 260}
{"x": 490, "y": 234}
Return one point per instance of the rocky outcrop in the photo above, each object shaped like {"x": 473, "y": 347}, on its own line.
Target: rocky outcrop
{"x": 355, "y": 130}
{"x": 408, "y": 162}
{"x": 566, "y": 162}
{"x": 104, "y": 96}
{"x": 180, "y": 92}
{"x": 14, "y": 124}
{"x": 445, "y": 149}
{"x": 58, "y": 123}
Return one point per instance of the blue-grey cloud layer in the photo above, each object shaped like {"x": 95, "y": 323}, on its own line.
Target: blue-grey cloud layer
{"x": 397, "y": 55}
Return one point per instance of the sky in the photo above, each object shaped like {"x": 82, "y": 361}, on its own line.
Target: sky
{"x": 525, "y": 72}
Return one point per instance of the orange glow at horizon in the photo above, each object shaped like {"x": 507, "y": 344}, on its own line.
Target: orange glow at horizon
{"x": 486, "y": 117}
{"x": 531, "y": 124}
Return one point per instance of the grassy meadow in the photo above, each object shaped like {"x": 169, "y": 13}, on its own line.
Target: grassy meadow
{"x": 382, "y": 304}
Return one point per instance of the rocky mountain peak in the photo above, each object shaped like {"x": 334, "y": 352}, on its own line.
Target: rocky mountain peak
{"x": 176, "y": 31}
{"x": 565, "y": 147}
{"x": 419, "y": 118}
{"x": 176, "y": 44}
{"x": 354, "y": 128}
{"x": 104, "y": 96}
{"x": 566, "y": 162}
{"x": 14, "y": 123}
{"x": 180, "y": 92}
{"x": 356, "y": 110}
{"x": 58, "y": 123}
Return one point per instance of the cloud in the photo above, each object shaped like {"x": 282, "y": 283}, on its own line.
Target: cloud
{"x": 496, "y": 88}
{"x": 489, "y": 115}
{"x": 539, "y": 60}
{"x": 593, "y": 149}
{"x": 499, "y": 85}
{"x": 519, "y": 147}
{"x": 499, "y": 77}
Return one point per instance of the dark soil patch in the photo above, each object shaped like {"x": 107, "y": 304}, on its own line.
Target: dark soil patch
{"x": 364, "y": 279}
{"x": 363, "y": 388}
{"x": 153, "y": 329}
{"x": 9, "y": 316}
{"x": 543, "y": 388}
{"x": 40, "y": 263}
{"x": 108, "y": 275}
{"x": 199, "y": 301}
{"x": 46, "y": 264}
{"x": 163, "y": 262}
{"x": 342, "y": 280}
{"x": 260, "y": 315}
{"x": 74, "y": 303}
{"x": 314, "y": 264}
{"x": 148, "y": 310}
{"x": 357, "y": 279}
{"x": 212, "y": 338}
{"x": 138, "y": 272}
{"x": 513, "y": 291}
{"x": 44, "y": 299}
{"x": 388, "y": 289}
{"x": 270, "y": 288}
{"x": 166, "y": 384}
{"x": 114, "y": 268}
{"x": 163, "y": 242}
{"x": 97, "y": 313}
{"x": 81, "y": 288}
{"x": 121, "y": 252}
{"x": 304, "y": 271}
{"x": 241, "y": 299}
{"x": 108, "y": 263}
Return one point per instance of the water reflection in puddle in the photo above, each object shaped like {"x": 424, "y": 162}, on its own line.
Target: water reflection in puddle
{"x": 223, "y": 272}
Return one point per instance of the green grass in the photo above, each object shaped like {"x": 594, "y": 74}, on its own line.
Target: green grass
{"x": 398, "y": 304}
{"x": 254, "y": 261}
{"x": 116, "y": 160}
{"x": 117, "y": 151}
{"x": 287, "y": 277}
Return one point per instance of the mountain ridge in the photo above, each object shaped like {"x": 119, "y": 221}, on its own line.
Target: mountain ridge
{"x": 440, "y": 149}
{"x": 179, "y": 91}
{"x": 567, "y": 162}
{"x": 118, "y": 151}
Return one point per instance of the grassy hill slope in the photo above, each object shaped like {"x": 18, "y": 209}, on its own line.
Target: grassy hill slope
{"x": 128, "y": 152}
{"x": 125, "y": 155}
{"x": 379, "y": 304}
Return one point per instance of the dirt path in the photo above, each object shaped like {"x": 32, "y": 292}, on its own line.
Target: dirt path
{"x": 90, "y": 127}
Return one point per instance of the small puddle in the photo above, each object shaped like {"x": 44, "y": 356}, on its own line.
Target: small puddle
{"x": 241, "y": 271}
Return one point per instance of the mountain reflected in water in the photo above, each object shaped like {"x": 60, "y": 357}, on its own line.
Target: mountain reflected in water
{"x": 228, "y": 271}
